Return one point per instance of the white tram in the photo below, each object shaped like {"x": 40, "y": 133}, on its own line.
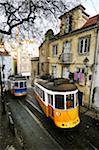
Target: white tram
{"x": 17, "y": 85}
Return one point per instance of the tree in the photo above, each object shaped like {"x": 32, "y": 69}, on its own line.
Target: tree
{"x": 20, "y": 12}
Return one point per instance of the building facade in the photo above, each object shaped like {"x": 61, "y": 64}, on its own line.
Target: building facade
{"x": 6, "y": 66}
{"x": 72, "y": 51}
{"x": 94, "y": 99}
{"x": 44, "y": 54}
{"x": 34, "y": 68}
{"x": 23, "y": 59}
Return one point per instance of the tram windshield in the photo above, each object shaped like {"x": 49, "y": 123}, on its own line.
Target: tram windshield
{"x": 70, "y": 101}
{"x": 21, "y": 84}
{"x": 16, "y": 84}
{"x": 24, "y": 84}
{"x": 67, "y": 101}
{"x": 59, "y": 101}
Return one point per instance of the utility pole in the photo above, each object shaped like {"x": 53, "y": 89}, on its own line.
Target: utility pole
{"x": 2, "y": 85}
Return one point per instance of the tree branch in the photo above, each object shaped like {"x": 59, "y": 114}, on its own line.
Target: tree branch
{"x": 26, "y": 11}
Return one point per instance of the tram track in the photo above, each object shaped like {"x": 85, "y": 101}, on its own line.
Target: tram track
{"x": 22, "y": 102}
{"x": 46, "y": 122}
{"x": 67, "y": 139}
{"x": 40, "y": 124}
{"x": 58, "y": 134}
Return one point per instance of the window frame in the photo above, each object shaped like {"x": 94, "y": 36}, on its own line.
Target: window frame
{"x": 59, "y": 100}
{"x": 83, "y": 47}
{"x": 17, "y": 84}
{"x": 55, "y": 50}
{"x": 70, "y": 107}
{"x": 54, "y": 74}
{"x": 67, "y": 47}
{"x": 68, "y": 24}
{"x": 25, "y": 84}
{"x": 21, "y": 86}
{"x": 50, "y": 99}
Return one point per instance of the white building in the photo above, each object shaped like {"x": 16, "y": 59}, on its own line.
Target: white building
{"x": 24, "y": 59}
{"x": 23, "y": 51}
{"x": 95, "y": 81}
{"x": 6, "y": 67}
{"x": 7, "y": 61}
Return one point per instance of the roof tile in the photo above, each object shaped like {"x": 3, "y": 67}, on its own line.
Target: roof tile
{"x": 91, "y": 21}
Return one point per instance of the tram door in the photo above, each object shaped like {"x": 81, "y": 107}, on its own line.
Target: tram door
{"x": 50, "y": 106}
{"x": 80, "y": 97}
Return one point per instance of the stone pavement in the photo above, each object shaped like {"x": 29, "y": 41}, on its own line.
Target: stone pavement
{"x": 90, "y": 112}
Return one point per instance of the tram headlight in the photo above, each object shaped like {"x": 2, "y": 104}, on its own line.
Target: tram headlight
{"x": 58, "y": 113}
{"x": 68, "y": 124}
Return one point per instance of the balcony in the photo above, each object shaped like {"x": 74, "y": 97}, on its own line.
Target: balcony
{"x": 65, "y": 58}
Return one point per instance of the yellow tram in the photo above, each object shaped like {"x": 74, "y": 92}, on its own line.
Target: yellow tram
{"x": 59, "y": 101}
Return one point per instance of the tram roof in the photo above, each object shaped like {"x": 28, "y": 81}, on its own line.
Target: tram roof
{"x": 57, "y": 85}
{"x": 17, "y": 78}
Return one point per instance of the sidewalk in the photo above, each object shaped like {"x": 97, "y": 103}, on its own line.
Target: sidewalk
{"x": 7, "y": 140}
{"x": 90, "y": 112}
{"x": 34, "y": 135}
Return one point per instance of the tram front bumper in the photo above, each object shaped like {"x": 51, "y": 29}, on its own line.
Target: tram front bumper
{"x": 20, "y": 94}
{"x": 68, "y": 124}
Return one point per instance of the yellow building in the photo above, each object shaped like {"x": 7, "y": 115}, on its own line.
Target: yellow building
{"x": 34, "y": 68}
{"x": 72, "y": 50}
{"x": 44, "y": 54}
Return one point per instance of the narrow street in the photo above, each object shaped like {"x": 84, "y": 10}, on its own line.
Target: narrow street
{"x": 51, "y": 47}
{"x": 36, "y": 131}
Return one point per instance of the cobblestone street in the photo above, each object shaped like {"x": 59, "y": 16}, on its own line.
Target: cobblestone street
{"x": 7, "y": 139}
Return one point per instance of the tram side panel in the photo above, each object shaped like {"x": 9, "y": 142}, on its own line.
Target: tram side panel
{"x": 41, "y": 102}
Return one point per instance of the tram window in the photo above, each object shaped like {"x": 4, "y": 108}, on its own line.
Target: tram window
{"x": 21, "y": 84}
{"x": 38, "y": 90}
{"x": 16, "y": 84}
{"x": 50, "y": 99}
{"x": 41, "y": 93}
{"x": 43, "y": 96}
{"x": 76, "y": 99}
{"x": 59, "y": 101}
{"x": 70, "y": 101}
{"x": 24, "y": 84}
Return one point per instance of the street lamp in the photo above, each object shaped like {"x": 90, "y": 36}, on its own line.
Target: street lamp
{"x": 85, "y": 62}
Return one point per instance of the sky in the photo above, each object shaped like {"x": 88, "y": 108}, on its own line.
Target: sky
{"x": 92, "y": 6}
